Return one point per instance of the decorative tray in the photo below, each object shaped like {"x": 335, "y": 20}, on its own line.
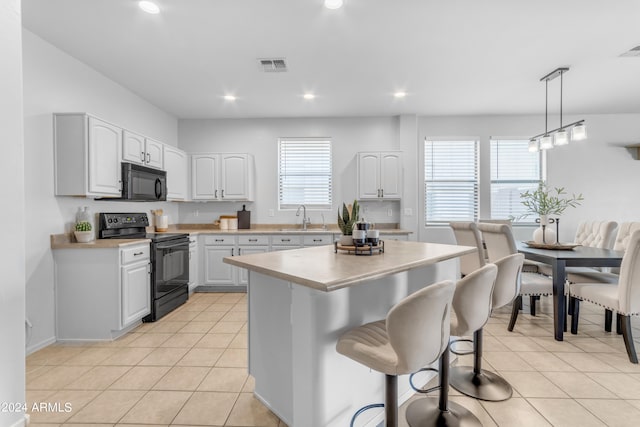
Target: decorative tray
{"x": 554, "y": 246}
{"x": 360, "y": 250}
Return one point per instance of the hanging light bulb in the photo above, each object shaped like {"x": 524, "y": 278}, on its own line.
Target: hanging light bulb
{"x": 561, "y": 137}
{"x": 579, "y": 132}
{"x": 534, "y": 147}
{"x": 546, "y": 142}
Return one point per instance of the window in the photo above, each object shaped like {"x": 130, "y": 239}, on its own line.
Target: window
{"x": 451, "y": 181}
{"x": 304, "y": 173}
{"x": 514, "y": 170}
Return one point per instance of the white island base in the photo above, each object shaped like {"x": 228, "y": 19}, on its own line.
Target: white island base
{"x": 293, "y": 330}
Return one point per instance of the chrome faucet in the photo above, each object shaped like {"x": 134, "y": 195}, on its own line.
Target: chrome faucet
{"x": 305, "y": 219}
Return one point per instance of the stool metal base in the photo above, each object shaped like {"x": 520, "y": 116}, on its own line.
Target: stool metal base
{"x": 426, "y": 413}
{"x": 484, "y": 385}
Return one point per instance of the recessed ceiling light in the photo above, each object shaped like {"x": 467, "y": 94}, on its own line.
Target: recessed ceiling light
{"x": 308, "y": 96}
{"x": 400, "y": 94}
{"x": 149, "y": 7}
{"x": 229, "y": 98}
{"x": 333, "y": 4}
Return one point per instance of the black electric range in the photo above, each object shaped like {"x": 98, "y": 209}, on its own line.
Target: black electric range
{"x": 169, "y": 259}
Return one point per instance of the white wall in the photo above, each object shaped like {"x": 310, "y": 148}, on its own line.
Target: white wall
{"x": 604, "y": 172}
{"x": 12, "y": 253}
{"x": 56, "y": 82}
{"x": 260, "y": 138}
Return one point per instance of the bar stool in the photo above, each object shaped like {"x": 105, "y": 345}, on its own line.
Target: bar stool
{"x": 414, "y": 334}
{"x": 474, "y": 381}
{"x": 472, "y": 305}
{"x": 467, "y": 234}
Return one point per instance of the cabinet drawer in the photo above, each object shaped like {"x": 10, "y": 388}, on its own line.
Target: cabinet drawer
{"x": 137, "y": 253}
{"x": 286, "y": 240}
{"x": 219, "y": 240}
{"x": 318, "y": 239}
{"x": 253, "y": 240}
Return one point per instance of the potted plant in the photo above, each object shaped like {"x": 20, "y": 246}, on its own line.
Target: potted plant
{"x": 545, "y": 201}
{"x": 347, "y": 221}
{"x": 83, "y": 232}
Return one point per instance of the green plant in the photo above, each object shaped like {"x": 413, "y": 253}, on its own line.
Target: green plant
{"x": 83, "y": 226}
{"x": 349, "y": 217}
{"x": 546, "y": 201}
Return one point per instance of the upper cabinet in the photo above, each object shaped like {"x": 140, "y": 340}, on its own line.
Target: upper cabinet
{"x": 380, "y": 175}
{"x": 227, "y": 176}
{"x": 141, "y": 150}
{"x": 86, "y": 156}
{"x": 176, "y": 165}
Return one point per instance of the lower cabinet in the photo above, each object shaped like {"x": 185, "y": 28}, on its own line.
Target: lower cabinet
{"x": 193, "y": 263}
{"x": 101, "y": 293}
{"x": 216, "y": 272}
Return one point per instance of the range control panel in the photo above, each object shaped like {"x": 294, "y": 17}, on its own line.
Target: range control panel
{"x": 109, "y": 221}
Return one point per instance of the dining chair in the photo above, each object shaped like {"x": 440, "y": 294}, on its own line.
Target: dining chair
{"x": 624, "y": 299}
{"x": 467, "y": 234}
{"x": 500, "y": 243}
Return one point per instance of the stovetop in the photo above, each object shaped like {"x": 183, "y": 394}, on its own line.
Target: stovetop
{"x": 131, "y": 226}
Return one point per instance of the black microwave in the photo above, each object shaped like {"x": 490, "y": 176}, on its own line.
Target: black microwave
{"x": 143, "y": 184}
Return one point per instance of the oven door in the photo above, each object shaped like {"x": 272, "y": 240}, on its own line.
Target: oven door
{"x": 171, "y": 267}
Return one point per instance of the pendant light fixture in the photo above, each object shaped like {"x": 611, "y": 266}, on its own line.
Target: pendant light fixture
{"x": 558, "y": 136}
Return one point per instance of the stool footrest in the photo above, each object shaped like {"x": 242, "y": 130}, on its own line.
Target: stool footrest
{"x": 460, "y": 352}
{"x": 420, "y": 390}
{"x": 364, "y": 408}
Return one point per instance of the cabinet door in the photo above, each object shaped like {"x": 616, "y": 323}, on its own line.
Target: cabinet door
{"x": 217, "y": 272}
{"x": 243, "y": 276}
{"x": 234, "y": 177}
{"x": 368, "y": 175}
{"x": 153, "y": 154}
{"x": 105, "y": 142}
{"x": 136, "y": 292}
{"x": 175, "y": 163}
{"x": 391, "y": 175}
{"x": 204, "y": 177}
{"x": 133, "y": 148}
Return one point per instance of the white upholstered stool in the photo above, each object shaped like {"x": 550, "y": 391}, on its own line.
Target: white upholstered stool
{"x": 414, "y": 334}
{"x": 473, "y": 380}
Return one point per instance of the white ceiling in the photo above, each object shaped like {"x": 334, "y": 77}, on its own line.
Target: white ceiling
{"x": 455, "y": 57}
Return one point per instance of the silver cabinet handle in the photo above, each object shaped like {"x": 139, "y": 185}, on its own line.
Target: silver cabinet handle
{"x": 378, "y": 192}
{"x": 232, "y": 251}
{"x": 222, "y": 191}
{"x": 382, "y": 192}
{"x": 215, "y": 195}
{"x": 148, "y": 158}
{"x": 142, "y": 156}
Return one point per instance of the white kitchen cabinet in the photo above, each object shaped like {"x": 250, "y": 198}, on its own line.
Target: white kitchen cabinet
{"x": 86, "y": 156}
{"x": 204, "y": 176}
{"x": 250, "y": 244}
{"x": 237, "y": 177}
{"x": 101, "y": 293}
{"x": 193, "y": 263}
{"x": 219, "y": 177}
{"x": 317, "y": 239}
{"x": 379, "y": 175}
{"x": 176, "y": 165}
{"x": 216, "y": 272}
{"x": 141, "y": 150}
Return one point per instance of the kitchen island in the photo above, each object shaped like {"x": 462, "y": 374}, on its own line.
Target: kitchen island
{"x": 301, "y": 301}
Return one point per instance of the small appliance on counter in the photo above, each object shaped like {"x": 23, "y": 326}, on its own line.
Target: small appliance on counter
{"x": 244, "y": 218}
{"x": 169, "y": 259}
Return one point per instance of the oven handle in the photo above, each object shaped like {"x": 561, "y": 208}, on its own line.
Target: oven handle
{"x": 185, "y": 244}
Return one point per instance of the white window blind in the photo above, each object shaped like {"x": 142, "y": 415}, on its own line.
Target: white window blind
{"x": 514, "y": 170}
{"x": 304, "y": 173}
{"x": 451, "y": 181}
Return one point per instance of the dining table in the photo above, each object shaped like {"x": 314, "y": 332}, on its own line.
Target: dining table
{"x": 579, "y": 256}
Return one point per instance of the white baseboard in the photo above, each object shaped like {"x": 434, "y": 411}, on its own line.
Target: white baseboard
{"x": 40, "y": 345}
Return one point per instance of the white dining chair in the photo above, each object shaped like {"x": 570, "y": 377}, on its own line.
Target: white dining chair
{"x": 623, "y": 298}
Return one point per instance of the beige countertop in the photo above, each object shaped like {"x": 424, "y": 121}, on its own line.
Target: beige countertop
{"x": 322, "y": 269}
{"x": 67, "y": 241}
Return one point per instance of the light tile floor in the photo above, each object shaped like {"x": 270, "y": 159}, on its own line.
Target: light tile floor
{"x": 190, "y": 368}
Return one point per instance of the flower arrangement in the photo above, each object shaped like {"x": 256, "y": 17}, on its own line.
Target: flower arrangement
{"x": 349, "y": 217}
{"x": 547, "y": 201}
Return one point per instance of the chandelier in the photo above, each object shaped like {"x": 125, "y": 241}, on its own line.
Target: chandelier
{"x": 576, "y": 131}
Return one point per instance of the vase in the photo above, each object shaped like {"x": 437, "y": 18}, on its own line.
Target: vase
{"x": 544, "y": 234}
{"x": 345, "y": 240}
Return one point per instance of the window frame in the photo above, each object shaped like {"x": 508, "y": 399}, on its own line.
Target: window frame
{"x": 310, "y": 206}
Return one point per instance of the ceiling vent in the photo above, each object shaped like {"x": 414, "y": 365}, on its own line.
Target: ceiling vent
{"x": 632, "y": 52}
{"x": 272, "y": 65}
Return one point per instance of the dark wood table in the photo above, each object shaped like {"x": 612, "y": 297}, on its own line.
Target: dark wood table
{"x": 581, "y": 256}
